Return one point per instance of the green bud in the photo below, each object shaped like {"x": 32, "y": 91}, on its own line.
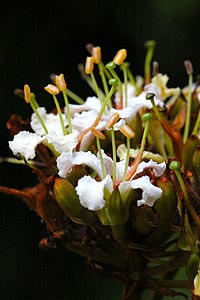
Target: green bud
{"x": 192, "y": 266}
{"x": 196, "y": 162}
{"x": 146, "y": 117}
{"x": 76, "y": 173}
{"x": 166, "y": 205}
{"x": 143, "y": 219}
{"x": 150, "y": 43}
{"x": 188, "y": 152}
{"x": 174, "y": 165}
{"x": 113, "y": 81}
{"x": 115, "y": 208}
{"x": 68, "y": 200}
{"x": 111, "y": 65}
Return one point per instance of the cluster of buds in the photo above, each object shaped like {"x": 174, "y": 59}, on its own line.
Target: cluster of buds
{"x": 118, "y": 173}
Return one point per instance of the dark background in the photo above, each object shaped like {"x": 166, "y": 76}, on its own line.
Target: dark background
{"x": 36, "y": 39}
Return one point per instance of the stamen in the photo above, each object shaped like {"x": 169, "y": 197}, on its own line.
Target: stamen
{"x": 69, "y": 93}
{"x": 53, "y": 90}
{"x": 196, "y": 126}
{"x": 155, "y": 68}
{"x": 146, "y": 117}
{"x": 124, "y": 69}
{"x": 89, "y": 66}
{"x": 111, "y": 66}
{"x": 27, "y": 93}
{"x": 114, "y": 118}
{"x": 189, "y": 70}
{"x": 101, "y": 158}
{"x": 150, "y": 45}
{"x": 130, "y": 76}
{"x": 120, "y": 57}
{"x": 112, "y": 82}
{"x": 30, "y": 98}
{"x": 97, "y": 133}
{"x": 61, "y": 84}
{"x": 175, "y": 166}
{"x": 96, "y": 53}
{"x": 127, "y": 131}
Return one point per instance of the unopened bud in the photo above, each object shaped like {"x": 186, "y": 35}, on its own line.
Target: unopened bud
{"x": 96, "y": 53}
{"x": 52, "y": 89}
{"x": 97, "y": 133}
{"x": 60, "y": 82}
{"x": 27, "y": 93}
{"x": 127, "y": 131}
{"x": 89, "y": 65}
{"x": 68, "y": 200}
{"x": 113, "y": 120}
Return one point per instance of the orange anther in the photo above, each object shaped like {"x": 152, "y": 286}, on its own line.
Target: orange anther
{"x": 96, "y": 53}
{"x": 113, "y": 120}
{"x": 89, "y": 64}
{"x": 52, "y": 89}
{"x": 60, "y": 82}
{"x": 127, "y": 131}
{"x": 120, "y": 57}
{"x": 97, "y": 133}
{"x": 27, "y": 93}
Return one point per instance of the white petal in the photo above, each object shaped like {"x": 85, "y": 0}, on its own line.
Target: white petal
{"x": 150, "y": 192}
{"x": 64, "y": 164}
{"x": 51, "y": 121}
{"x": 84, "y": 120}
{"x": 91, "y": 192}
{"x": 63, "y": 143}
{"x": 91, "y": 103}
{"x": 158, "y": 169}
{"x": 88, "y": 159}
{"x": 25, "y": 143}
{"x": 108, "y": 163}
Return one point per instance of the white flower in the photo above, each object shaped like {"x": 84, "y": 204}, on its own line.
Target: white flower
{"x": 25, "y": 143}
{"x": 51, "y": 121}
{"x": 150, "y": 193}
{"x": 63, "y": 143}
{"x": 86, "y": 187}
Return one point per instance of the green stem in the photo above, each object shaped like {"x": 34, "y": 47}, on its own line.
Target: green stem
{"x": 147, "y": 64}
{"x": 60, "y": 115}
{"x": 145, "y": 133}
{"x": 103, "y": 78}
{"x": 74, "y": 97}
{"x": 125, "y": 86}
{"x": 101, "y": 158}
{"x": 127, "y": 159}
{"x": 68, "y": 112}
{"x": 196, "y": 126}
{"x": 38, "y": 116}
{"x": 188, "y": 115}
{"x": 189, "y": 206}
{"x": 108, "y": 97}
{"x": 114, "y": 154}
{"x": 112, "y": 71}
{"x": 96, "y": 87}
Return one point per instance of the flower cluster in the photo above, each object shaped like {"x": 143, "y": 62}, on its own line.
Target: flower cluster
{"x": 115, "y": 170}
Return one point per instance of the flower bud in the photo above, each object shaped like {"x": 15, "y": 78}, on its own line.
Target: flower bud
{"x": 142, "y": 220}
{"x": 192, "y": 266}
{"x": 188, "y": 152}
{"x": 166, "y": 205}
{"x": 196, "y": 162}
{"x": 68, "y": 200}
{"x": 27, "y": 93}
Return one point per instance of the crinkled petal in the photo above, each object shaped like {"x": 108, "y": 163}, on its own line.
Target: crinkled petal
{"x": 25, "y": 143}
{"x": 84, "y": 120}
{"x": 158, "y": 169}
{"x": 63, "y": 143}
{"x": 91, "y": 103}
{"x": 91, "y": 192}
{"x": 64, "y": 163}
{"x": 51, "y": 121}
